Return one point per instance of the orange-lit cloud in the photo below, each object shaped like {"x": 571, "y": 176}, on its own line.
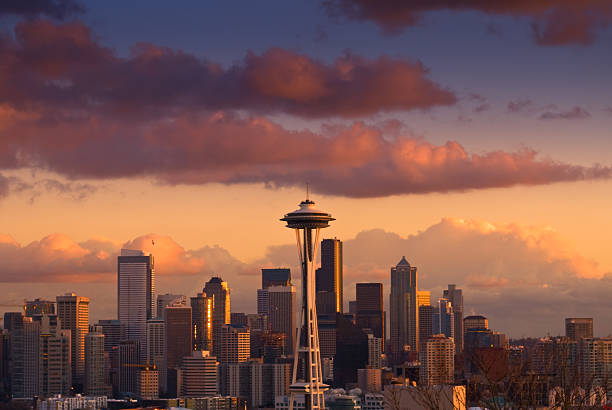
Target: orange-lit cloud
{"x": 353, "y": 161}
{"x": 65, "y": 66}
{"x": 501, "y": 267}
{"x": 554, "y": 22}
{"x": 58, "y": 258}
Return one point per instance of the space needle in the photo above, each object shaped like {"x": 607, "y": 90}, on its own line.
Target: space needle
{"x": 306, "y": 221}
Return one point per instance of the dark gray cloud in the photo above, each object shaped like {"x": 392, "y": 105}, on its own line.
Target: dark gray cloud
{"x": 554, "y": 22}
{"x": 576, "y": 113}
{"x": 59, "y": 9}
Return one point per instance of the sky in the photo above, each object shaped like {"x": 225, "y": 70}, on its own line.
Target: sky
{"x": 471, "y": 137}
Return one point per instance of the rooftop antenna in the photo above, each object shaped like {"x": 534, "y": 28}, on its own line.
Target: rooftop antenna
{"x": 307, "y": 191}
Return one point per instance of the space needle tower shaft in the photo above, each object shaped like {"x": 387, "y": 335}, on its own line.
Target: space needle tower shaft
{"x": 307, "y": 222}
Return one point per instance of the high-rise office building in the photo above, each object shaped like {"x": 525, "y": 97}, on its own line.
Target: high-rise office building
{"x": 475, "y": 322}
{"x": 370, "y": 309}
{"x": 234, "y": 344}
{"x": 444, "y": 318}
{"x": 129, "y": 366}
{"x": 268, "y": 381}
{"x": 263, "y": 301}
{"x": 136, "y": 294}
{"x": 369, "y": 380}
{"x": 275, "y": 277}
{"x": 39, "y": 307}
{"x": 147, "y": 382}
{"x": 256, "y": 321}
{"x": 423, "y": 298}
{"x": 426, "y": 321}
{"x": 375, "y": 351}
{"x": 199, "y": 375}
{"x": 329, "y": 275}
{"x": 404, "y": 315}
{"x": 177, "y": 323}
{"x": 219, "y": 290}
{"x": 156, "y": 348}
{"x": 595, "y": 362}
{"x": 13, "y": 320}
{"x": 54, "y": 370}
{"x": 281, "y": 313}
{"x": 73, "y": 314}
{"x": 202, "y": 308}
{"x": 437, "y": 361}
{"x": 114, "y": 332}
{"x": 95, "y": 372}
{"x": 25, "y": 354}
{"x": 168, "y": 299}
{"x": 455, "y": 296}
{"x": 351, "y": 351}
{"x": 577, "y": 328}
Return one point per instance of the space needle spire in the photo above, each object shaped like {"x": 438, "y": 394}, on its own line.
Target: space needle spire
{"x": 308, "y": 221}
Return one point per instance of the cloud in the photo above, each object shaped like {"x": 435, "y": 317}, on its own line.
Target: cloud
{"x": 576, "y": 113}
{"x": 64, "y": 65}
{"x": 354, "y": 161}
{"x": 4, "y": 186}
{"x": 520, "y": 105}
{"x": 530, "y": 271}
{"x": 76, "y": 191}
{"x": 58, "y": 258}
{"x": 59, "y": 9}
{"x": 554, "y": 22}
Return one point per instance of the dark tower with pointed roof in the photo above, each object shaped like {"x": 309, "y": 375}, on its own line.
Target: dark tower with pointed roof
{"x": 403, "y": 310}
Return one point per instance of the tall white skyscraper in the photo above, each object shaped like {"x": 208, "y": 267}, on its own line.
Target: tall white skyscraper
{"x": 136, "y": 294}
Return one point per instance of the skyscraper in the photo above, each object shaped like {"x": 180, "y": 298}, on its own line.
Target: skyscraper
{"x": 282, "y": 313}
{"x": 219, "y": 290}
{"x": 351, "y": 351}
{"x": 202, "y": 308}
{"x": 576, "y": 328}
{"x": 426, "y": 320}
{"x": 329, "y": 275}
{"x": 39, "y": 307}
{"x": 475, "y": 322}
{"x": 156, "y": 348}
{"x": 263, "y": 301}
{"x": 370, "y": 309}
{"x": 404, "y": 315}
{"x": 177, "y": 321}
{"x": 94, "y": 364}
{"x": 445, "y": 319}
{"x": 13, "y": 320}
{"x": 129, "y": 366}
{"x": 136, "y": 294}
{"x": 73, "y": 314}
{"x": 456, "y": 298}
{"x": 234, "y": 344}
{"x": 114, "y": 332}
{"x": 275, "y": 277}
{"x": 437, "y": 361}
{"x": 168, "y": 299}
{"x": 199, "y": 375}
{"x": 54, "y": 370}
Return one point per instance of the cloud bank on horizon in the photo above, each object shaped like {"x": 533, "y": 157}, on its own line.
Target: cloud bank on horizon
{"x": 521, "y": 269}
{"x": 553, "y": 22}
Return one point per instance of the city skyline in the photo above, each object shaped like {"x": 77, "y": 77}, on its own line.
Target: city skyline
{"x": 480, "y": 134}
